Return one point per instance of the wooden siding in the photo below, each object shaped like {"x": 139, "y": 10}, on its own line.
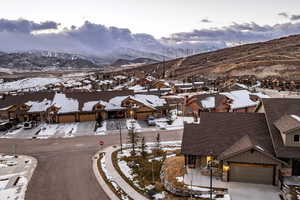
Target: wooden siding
{"x": 85, "y": 117}
{"x": 68, "y": 118}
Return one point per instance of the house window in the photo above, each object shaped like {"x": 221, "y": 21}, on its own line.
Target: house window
{"x": 296, "y": 138}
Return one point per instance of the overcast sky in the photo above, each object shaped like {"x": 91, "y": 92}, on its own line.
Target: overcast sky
{"x": 143, "y": 26}
{"x": 156, "y": 17}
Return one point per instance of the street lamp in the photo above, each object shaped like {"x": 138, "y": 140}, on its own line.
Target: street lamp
{"x": 210, "y": 162}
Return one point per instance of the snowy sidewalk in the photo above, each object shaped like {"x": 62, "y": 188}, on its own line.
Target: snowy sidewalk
{"x": 116, "y": 176}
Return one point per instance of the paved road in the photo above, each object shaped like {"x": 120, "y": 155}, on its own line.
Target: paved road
{"x": 64, "y": 170}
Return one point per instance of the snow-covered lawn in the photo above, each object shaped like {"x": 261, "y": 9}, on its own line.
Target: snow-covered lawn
{"x": 132, "y": 123}
{"x": 101, "y": 130}
{"x": 178, "y": 123}
{"x": 133, "y": 167}
{"x": 109, "y": 178}
{"x": 14, "y": 176}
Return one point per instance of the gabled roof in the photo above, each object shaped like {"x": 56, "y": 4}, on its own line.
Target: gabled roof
{"x": 275, "y": 108}
{"x": 246, "y": 143}
{"x": 151, "y": 101}
{"x": 76, "y": 98}
{"x": 208, "y": 101}
{"x": 218, "y": 132}
{"x": 240, "y": 99}
{"x": 287, "y": 123}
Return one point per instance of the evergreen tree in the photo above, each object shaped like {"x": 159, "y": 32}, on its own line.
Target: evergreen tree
{"x": 143, "y": 147}
{"x": 132, "y": 138}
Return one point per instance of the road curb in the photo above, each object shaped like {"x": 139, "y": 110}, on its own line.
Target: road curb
{"x": 29, "y": 175}
{"x": 110, "y": 194}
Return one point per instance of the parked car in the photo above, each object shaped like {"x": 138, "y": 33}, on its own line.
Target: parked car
{"x": 28, "y": 125}
{"x": 151, "y": 121}
{"x": 4, "y": 126}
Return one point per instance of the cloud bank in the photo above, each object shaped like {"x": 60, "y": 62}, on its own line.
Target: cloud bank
{"x": 99, "y": 40}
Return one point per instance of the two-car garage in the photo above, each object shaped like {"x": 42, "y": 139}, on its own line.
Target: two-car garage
{"x": 252, "y": 173}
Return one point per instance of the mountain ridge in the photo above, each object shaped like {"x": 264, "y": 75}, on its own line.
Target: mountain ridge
{"x": 278, "y": 57}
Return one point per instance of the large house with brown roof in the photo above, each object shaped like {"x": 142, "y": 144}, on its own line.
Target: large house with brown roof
{"x": 234, "y": 101}
{"x": 247, "y": 147}
{"x": 80, "y": 106}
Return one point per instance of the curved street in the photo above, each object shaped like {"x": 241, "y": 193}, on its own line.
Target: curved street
{"x": 64, "y": 170}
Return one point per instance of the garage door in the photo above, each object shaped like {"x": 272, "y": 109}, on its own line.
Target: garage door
{"x": 66, "y": 118}
{"x": 251, "y": 173}
{"x": 87, "y": 117}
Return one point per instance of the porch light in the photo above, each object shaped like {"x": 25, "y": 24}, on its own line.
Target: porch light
{"x": 131, "y": 112}
{"x": 209, "y": 159}
{"x": 226, "y": 168}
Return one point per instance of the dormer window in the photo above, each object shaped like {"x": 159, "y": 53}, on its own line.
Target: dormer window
{"x": 297, "y": 138}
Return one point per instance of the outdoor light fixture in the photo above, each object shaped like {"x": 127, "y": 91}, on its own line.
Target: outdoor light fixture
{"x": 226, "y": 168}
{"x": 209, "y": 158}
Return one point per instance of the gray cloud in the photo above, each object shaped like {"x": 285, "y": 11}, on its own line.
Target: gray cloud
{"x": 206, "y": 21}
{"x": 238, "y": 33}
{"x": 283, "y": 14}
{"x": 99, "y": 40}
{"x": 295, "y": 17}
{"x": 25, "y": 26}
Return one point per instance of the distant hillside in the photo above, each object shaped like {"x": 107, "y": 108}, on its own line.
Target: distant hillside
{"x": 42, "y": 60}
{"x": 279, "y": 57}
{"x": 122, "y": 62}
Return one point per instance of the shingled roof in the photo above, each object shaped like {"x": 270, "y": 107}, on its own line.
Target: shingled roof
{"x": 81, "y": 97}
{"x": 218, "y": 132}
{"x": 275, "y": 108}
{"x": 287, "y": 123}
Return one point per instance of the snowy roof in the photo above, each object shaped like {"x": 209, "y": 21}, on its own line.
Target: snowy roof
{"x": 241, "y": 99}
{"x": 7, "y": 107}
{"x": 152, "y": 101}
{"x": 296, "y": 117}
{"x": 88, "y": 106}
{"x": 65, "y": 104}
{"x": 208, "y": 102}
{"x": 136, "y": 88}
{"x": 36, "y": 106}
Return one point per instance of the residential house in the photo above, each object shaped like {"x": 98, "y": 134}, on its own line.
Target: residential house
{"x": 206, "y": 103}
{"x": 141, "y": 106}
{"x": 247, "y": 147}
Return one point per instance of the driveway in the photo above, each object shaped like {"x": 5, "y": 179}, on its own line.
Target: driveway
{"x": 237, "y": 190}
{"x": 246, "y": 191}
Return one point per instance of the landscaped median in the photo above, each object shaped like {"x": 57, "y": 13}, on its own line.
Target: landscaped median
{"x": 153, "y": 172}
{"x": 113, "y": 186}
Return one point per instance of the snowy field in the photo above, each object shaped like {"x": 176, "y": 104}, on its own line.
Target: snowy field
{"x": 27, "y": 83}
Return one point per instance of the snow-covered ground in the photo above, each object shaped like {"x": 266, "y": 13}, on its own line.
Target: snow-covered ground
{"x": 101, "y": 130}
{"x": 15, "y": 174}
{"x": 27, "y": 83}
{"x": 65, "y": 130}
{"x": 124, "y": 196}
